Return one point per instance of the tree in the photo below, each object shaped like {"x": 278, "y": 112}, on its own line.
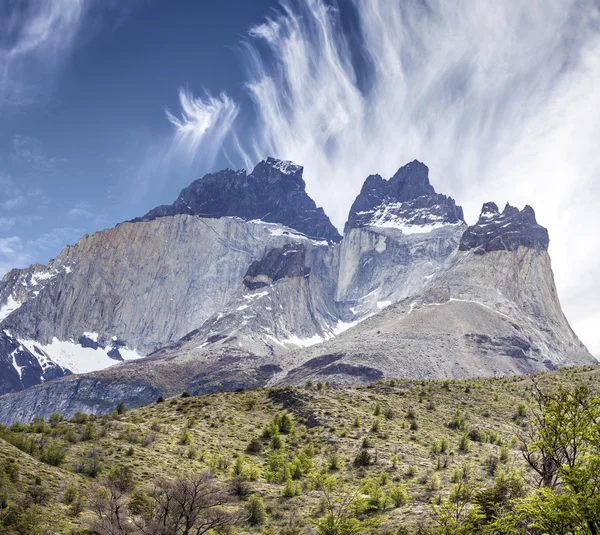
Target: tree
{"x": 186, "y": 506}
{"x": 339, "y": 517}
{"x": 563, "y": 448}
{"x": 109, "y": 503}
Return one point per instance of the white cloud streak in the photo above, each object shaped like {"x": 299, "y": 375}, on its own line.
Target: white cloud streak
{"x": 499, "y": 99}
{"x": 202, "y": 128}
{"x": 35, "y": 38}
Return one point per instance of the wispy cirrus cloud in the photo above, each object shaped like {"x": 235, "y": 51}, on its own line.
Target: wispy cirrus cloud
{"x": 500, "y": 99}
{"x": 200, "y": 131}
{"x": 36, "y": 37}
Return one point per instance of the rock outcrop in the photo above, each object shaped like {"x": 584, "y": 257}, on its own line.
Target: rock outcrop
{"x": 506, "y": 231}
{"x": 407, "y": 201}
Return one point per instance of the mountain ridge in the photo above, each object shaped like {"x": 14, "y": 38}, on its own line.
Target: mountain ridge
{"x": 236, "y": 302}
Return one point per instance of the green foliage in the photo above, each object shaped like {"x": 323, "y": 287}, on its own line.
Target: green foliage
{"x": 256, "y": 510}
{"x": 399, "y": 495}
{"x": 186, "y": 438}
{"x": 364, "y": 458}
{"x": 286, "y": 424}
{"x": 54, "y": 454}
{"x": 464, "y": 443}
{"x": 254, "y": 446}
{"x": 70, "y": 495}
{"x": 376, "y": 426}
{"x": 459, "y": 422}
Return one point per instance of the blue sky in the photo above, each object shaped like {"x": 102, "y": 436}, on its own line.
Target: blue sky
{"x": 72, "y": 145}
{"x": 109, "y": 107}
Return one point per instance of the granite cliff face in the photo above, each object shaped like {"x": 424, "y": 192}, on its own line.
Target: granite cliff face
{"x": 243, "y": 282}
{"x": 125, "y": 292}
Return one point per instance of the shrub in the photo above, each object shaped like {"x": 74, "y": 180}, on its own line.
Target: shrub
{"x": 491, "y": 464}
{"x": 80, "y": 418}
{"x": 459, "y": 422}
{"x": 399, "y": 495}
{"x": 357, "y": 423}
{"x": 55, "y": 419}
{"x": 70, "y": 494}
{"x": 521, "y": 410}
{"x": 411, "y": 472}
{"x": 334, "y": 462}
{"x": 434, "y": 482}
{"x": 254, "y": 446}
{"x": 185, "y": 394}
{"x": 377, "y": 411}
{"x": 121, "y": 408}
{"x": 276, "y": 442}
{"x": 256, "y": 510}
{"x": 376, "y": 425}
{"x": 285, "y": 423}
{"x": 90, "y": 464}
{"x": 464, "y": 444}
{"x": 186, "y": 438}
{"x": 364, "y": 458}
{"x": 414, "y": 426}
{"x": 160, "y": 399}
{"x": 290, "y": 489}
{"x": 89, "y": 433}
{"x": 54, "y": 454}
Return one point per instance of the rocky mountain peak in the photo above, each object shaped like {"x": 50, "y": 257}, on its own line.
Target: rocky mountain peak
{"x": 504, "y": 231}
{"x": 407, "y": 201}
{"x": 273, "y": 169}
{"x": 273, "y": 192}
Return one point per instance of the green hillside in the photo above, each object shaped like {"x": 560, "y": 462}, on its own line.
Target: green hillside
{"x": 380, "y": 459}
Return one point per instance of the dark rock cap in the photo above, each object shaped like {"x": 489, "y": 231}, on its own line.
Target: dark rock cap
{"x": 506, "y": 231}
{"x": 287, "y": 261}
{"x": 274, "y": 192}
{"x": 408, "y": 197}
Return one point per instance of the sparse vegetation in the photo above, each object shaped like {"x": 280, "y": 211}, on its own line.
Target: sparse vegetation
{"x": 432, "y": 472}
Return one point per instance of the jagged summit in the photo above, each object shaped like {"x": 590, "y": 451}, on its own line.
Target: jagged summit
{"x": 407, "y": 201}
{"x": 274, "y": 192}
{"x": 505, "y": 231}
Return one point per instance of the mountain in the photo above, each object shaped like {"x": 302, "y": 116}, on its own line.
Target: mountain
{"x": 274, "y": 193}
{"x": 242, "y": 282}
{"x": 122, "y": 293}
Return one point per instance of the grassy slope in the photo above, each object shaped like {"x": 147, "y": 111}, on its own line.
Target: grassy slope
{"x": 225, "y": 422}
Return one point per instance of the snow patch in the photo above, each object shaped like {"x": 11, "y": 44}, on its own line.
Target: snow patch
{"x": 383, "y": 304}
{"x": 78, "y": 359}
{"x": 15, "y": 365}
{"x": 92, "y": 336}
{"x": 9, "y": 307}
{"x": 385, "y": 216}
{"x": 285, "y": 166}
